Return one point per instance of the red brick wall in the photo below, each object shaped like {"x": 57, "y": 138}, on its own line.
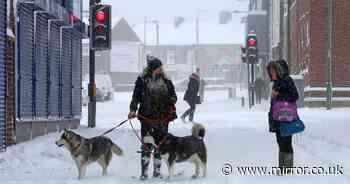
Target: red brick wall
{"x": 317, "y": 67}
{"x": 341, "y": 54}
{"x": 341, "y": 51}
{"x": 313, "y": 56}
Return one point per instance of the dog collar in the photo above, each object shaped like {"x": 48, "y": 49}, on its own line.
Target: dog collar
{"x": 75, "y": 149}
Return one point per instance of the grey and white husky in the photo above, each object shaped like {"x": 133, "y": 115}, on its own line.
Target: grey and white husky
{"x": 176, "y": 149}
{"x": 85, "y": 151}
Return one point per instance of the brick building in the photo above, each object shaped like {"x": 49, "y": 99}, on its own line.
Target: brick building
{"x": 303, "y": 32}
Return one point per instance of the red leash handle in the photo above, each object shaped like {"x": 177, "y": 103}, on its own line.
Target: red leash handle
{"x": 139, "y": 138}
{"x": 152, "y": 121}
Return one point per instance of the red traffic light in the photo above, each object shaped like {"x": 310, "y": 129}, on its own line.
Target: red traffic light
{"x": 251, "y": 42}
{"x": 100, "y": 16}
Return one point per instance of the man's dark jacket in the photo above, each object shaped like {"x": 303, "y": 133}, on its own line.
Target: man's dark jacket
{"x": 140, "y": 99}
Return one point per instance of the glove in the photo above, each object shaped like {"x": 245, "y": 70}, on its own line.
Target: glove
{"x": 132, "y": 115}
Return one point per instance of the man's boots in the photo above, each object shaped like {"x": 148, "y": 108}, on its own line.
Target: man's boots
{"x": 157, "y": 164}
{"x": 145, "y": 159}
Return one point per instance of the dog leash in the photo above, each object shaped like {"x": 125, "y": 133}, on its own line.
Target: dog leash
{"x": 123, "y": 122}
{"x": 115, "y": 127}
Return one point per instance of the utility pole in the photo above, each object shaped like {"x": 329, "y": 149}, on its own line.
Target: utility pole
{"x": 197, "y": 44}
{"x": 144, "y": 40}
{"x": 329, "y": 55}
{"x": 157, "y": 27}
{"x": 92, "y": 83}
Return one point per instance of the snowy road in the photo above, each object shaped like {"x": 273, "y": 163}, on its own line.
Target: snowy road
{"x": 235, "y": 135}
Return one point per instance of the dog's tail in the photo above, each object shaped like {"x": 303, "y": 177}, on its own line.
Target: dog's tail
{"x": 117, "y": 150}
{"x": 198, "y": 131}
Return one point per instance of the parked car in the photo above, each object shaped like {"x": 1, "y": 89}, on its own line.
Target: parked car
{"x": 104, "y": 87}
{"x": 85, "y": 93}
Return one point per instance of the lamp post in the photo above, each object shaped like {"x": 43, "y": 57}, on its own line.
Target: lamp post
{"x": 197, "y": 30}
{"x": 156, "y": 23}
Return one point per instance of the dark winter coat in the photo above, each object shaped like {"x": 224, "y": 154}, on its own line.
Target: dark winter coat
{"x": 141, "y": 98}
{"x": 285, "y": 87}
{"x": 191, "y": 94}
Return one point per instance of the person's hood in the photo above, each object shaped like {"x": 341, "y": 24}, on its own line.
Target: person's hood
{"x": 194, "y": 76}
{"x": 281, "y": 68}
{"x": 147, "y": 72}
{"x": 153, "y": 63}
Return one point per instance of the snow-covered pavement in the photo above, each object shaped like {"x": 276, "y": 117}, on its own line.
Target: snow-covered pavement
{"x": 235, "y": 135}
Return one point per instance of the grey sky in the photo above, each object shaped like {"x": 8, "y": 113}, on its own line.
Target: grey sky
{"x": 165, "y": 10}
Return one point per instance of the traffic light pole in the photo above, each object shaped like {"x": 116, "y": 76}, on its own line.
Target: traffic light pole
{"x": 249, "y": 98}
{"x": 92, "y": 91}
{"x": 251, "y": 77}
{"x": 92, "y": 83}
{"x": 253, "y": 83}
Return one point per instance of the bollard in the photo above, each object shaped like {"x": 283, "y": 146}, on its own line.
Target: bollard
{"x": 242, "y": 101}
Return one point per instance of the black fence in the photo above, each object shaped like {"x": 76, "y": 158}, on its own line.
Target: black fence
{"x": 49, "y": 58}
{"x": 2, "y": 74}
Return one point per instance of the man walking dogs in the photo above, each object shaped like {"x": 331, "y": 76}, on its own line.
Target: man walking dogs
{"x": 191, "y": 96}
{"x": 154, "y": 101}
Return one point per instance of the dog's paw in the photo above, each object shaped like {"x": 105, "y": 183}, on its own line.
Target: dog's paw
{"x": 194, "y": 177}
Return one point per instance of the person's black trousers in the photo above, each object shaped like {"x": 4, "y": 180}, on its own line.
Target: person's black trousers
{"x": 190, "y": 112}
{"x": 284, "y": 143}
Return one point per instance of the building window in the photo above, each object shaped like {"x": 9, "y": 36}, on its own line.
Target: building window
{"x": 307, "y": 34}
{"x": 285, "y": 9}
{"x": 190, "y": 57}
{"x": 302, "y": 37}
{"x": 171, "y": 56}
{"x": 74, "y": 6}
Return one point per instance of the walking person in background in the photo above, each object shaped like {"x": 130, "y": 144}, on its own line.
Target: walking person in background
{"x": 258, "y": 87}
{"x": 283, "y": 89}
{"x": 191, "y": 96}
{"x": 154, "y": 99}
{"x": 202, "y": 84}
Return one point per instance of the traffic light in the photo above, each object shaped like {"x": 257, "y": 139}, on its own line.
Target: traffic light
{"x": 244, "y": 54}
{"x": 252, "y": 47}
{"x": 100, "y": 30}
